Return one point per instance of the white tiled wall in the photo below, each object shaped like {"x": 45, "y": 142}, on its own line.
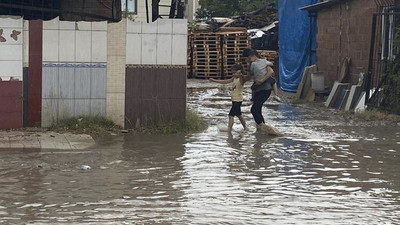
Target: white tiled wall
{"x": 164, "y": 45}
{"x": 66, "y": 46}
{"x": 149, "y": 49}
{"x": 74, "y": 69}
{"x": 26, "y": 43}
{"x": 134, "y": 48}
{"x": 84, "y": 46}
{"x": 74, "y": 42}
{"x": 11, "y": 47}
{"x": 163, "y": 42}
{"x": 179, "y": 49}
{"x": 50, "y": 45}
{"x": 98, "y": 52}
{"x": 11, "y": 22}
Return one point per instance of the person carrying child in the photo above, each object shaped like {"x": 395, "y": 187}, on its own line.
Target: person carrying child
{"x": 261, "y": 73}
{"x": 236, "y": 95}
{"x": 274, "y": 85}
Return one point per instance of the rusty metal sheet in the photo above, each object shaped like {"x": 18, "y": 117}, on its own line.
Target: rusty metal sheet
{"x": 154, "y": 94}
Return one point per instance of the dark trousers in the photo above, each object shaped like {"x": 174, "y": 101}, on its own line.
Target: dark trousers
{"x": 258, "y": 100}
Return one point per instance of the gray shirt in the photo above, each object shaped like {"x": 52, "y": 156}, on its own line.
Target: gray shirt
{"x": 258, "y": 70}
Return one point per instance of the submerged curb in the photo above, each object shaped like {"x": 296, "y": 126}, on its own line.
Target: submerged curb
{"x": 44, "y": 140}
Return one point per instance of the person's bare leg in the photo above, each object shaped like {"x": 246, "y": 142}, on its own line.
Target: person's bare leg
{"x": 276, "y": 97}
{"x": 230, "y": 123}
{"x": 276, "y": 89}
{"x": 243, "y": 122}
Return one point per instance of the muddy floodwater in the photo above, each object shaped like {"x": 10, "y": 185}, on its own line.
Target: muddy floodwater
{"x": 326, "y": 169}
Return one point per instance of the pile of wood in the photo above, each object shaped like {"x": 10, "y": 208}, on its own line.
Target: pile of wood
{"x": 257, "y": 19}
{"x": 212, "y": 54}
{"x": 271, "y": 56}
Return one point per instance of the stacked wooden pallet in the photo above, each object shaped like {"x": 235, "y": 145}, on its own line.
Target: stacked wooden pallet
{"x": 271, "y": 56}
{"x": 211, "y": 55}
{"x": 233, "y": 44}
{"x": 206, "y": 55}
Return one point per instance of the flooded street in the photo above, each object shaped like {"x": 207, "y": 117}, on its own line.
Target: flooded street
{"x": 326, "y": 169}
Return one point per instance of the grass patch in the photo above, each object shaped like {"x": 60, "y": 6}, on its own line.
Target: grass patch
{"x": 98, "y": 126}
{"x": 192, "y": 123}
{"x": 94, "y": 125}
{"x": 374, "y": 114}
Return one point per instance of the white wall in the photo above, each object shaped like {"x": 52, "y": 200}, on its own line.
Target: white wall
{"x": 11, "y": 47}
{"x": 84, "y": 42}
{"x": 74, "y": 69}
{"x": 163, "y": 42}
{"x": 26, "y": 44}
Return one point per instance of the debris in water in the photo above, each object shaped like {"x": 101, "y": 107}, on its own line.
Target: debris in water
{"x": 222, "y": 127}
{"x": 85, "y": 167}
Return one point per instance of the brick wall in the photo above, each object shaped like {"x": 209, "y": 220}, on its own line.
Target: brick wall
{"x": 344, "y": 30}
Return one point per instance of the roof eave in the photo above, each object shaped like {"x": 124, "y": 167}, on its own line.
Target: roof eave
{"x": 321, "y": 5}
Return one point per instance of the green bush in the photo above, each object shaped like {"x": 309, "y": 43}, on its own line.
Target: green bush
{"x": 391, "y": 89}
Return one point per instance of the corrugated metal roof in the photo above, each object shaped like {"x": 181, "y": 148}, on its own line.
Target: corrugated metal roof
{"x": 321, "y": 5}
{"x": 72, "y": 10}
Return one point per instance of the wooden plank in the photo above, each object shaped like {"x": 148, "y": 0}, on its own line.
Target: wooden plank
{"x": 301, "y": 89}
{"x": 344, "y": 69}
{"x": 310, "y": 95}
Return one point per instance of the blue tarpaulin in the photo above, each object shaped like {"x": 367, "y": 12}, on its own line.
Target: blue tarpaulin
{"x": 297, "y": 34}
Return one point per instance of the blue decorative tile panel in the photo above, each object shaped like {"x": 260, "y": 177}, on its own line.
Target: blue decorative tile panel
{"x": 75, "y": 65}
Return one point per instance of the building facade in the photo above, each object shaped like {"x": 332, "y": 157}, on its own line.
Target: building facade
{"x": 344, "y": 31}
{"x": 51, "y": 70}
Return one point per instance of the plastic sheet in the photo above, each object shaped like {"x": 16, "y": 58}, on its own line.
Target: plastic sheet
{"x": 297, "y": 34}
